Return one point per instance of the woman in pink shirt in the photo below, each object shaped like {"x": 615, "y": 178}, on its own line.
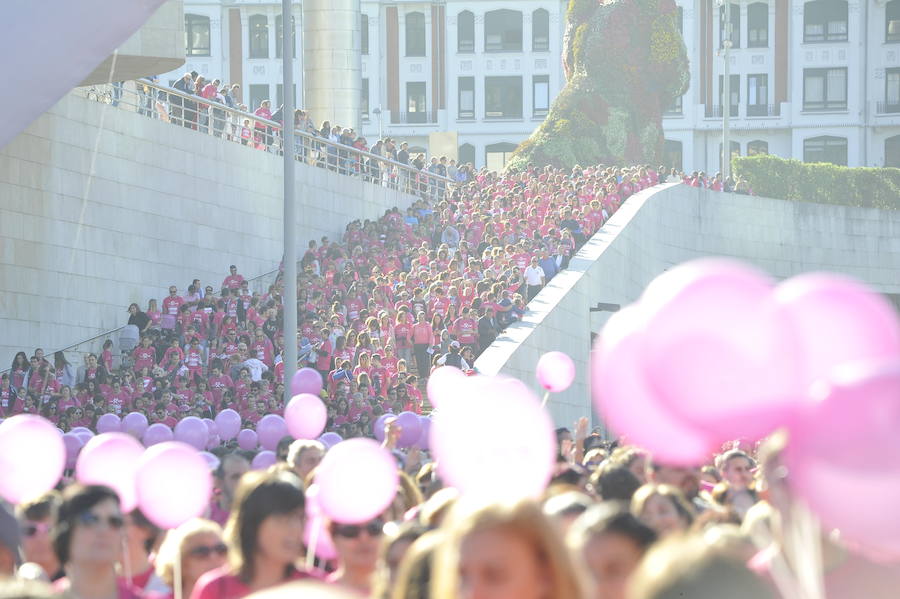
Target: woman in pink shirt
{"x": 265, "y": 538}
{"x": 422, "y": 338}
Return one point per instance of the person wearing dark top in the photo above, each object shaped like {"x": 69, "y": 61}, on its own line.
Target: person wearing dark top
{"x": 138, "y": 318}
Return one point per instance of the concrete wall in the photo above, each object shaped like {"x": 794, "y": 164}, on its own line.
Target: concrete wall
{"x": 100, "y": 207}
{"x": 664, "y": 226}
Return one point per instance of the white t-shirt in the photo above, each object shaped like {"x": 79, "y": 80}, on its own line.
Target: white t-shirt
{"x": 533, "y": 275}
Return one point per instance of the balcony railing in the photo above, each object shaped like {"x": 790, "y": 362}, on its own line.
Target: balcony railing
{"x": 714, "y": 111}
{"x": 425, "y": 117}
{"x": 757, "y": 110}
{"x": 887, "y": 108}
{"x": 208, "y": 117}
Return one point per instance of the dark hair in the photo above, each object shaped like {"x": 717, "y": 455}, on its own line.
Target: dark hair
{"x": 76, "y": 500}
{"x": 153, "y": 531}
{"x": 260, "y": 495}
{"x": 40, "y": 508}
{"x": 612, "y": 517}
{"x": 615, "y": 482}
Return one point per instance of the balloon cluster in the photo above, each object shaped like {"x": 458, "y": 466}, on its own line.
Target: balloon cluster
{"x": 715, "y": 350}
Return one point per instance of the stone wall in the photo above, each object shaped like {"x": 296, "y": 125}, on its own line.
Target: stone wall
{"x": 100, "y": 207}
{"x": 669, "y": 224}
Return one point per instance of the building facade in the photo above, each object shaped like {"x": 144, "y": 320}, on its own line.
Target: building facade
{"x": 481, "y": 72}
{"x": 814, "y": 80}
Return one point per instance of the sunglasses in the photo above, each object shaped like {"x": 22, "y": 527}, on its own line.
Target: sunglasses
{"x": 375, "y": 528}
{"x": 92, "y": 520}
{"x": 32, "y": 528}
{"x": 205, "y": 551}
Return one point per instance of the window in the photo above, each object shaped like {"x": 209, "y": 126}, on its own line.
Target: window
{"x": 825, "y": 149}
{"x": 466, "y": 154}
{"x": 892, "y": 21}
{"x": 540, "y": 88}
{"x": 758, "y": 95}
{"x": 679, "y": 20}
{"x": 465, "y": 32}
{"x": 364, "y": 99}
{"x": 415, "y": 34}
{"x": 758, "y": 25}
{"x": 825, "y": 89}
{"x": 496, "y": 155}
{"x": 196, "y": 35}
{"x": 259, "y": 36}
{"x": 825, "y": 21}
{"x": 672, "y": 154}
{"x": 757, "y": 146}
{"x": 364, "y": 33}
{"x": 735, "y": 151}
{"x": 891, "y": 90}
{"x": 676, "y": 108}
{"x": 503, "y": 97}
{"x": 279, "y": 43}
{"x": 415, "y": 102}
{"x": 258, "y": 93}
{"x": 466, "y": 97}
{"x": 892, "y": 152}
{"x": 279, "y": 94}
{"x": 540, "y": 31}
{"x": 735, "y": 32}
{"x": 503, "y": 31}
{"x": 734, "y": 92}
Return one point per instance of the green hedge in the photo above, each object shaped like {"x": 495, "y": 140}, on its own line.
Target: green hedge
{"x": 823, "y": 183}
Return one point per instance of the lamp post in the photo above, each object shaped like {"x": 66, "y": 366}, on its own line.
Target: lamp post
{"x": 725, "y": 11}
{"x": 377, "y": 113}
{"x": 289, "y": 216}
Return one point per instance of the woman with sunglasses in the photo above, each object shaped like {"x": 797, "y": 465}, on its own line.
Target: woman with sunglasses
{"x": 357, "y": 554}
{"x": 264, "y": 535}
{"x": 87, "y": 539}
{"x": 198, "y": 544}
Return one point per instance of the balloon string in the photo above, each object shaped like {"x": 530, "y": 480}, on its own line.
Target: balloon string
{"x": 126, "y": 563}
{"x": 546, "y": 397}
{"x": 176, "y": 575}
{"x": 313, "y": 540}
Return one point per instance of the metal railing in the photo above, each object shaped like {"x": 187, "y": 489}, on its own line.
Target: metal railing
{"x": 887, "y": 107}
{"x": 758, "y": 110}
{"x": 715, "y": 111}
{"x": 209, "y": 117}
{"x": 422, "y": 117}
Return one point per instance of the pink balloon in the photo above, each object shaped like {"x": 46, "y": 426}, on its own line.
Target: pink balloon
{"x": 263, "y": 460}
{"x": 713, "y": 350}
{"x": 495, "y": 466}
{"x": 174, "y": 484}
{"x": 306, "y": 380}
{"x": 352, "y": 465}
{"x": 627, "y": 404}
{"x": 248, "y": 439}
{"x": 135, "y": 424}
{"x": 211, "y": 460}
{"x": 193, "y": 431}
{"x": 843, "y": 455}
{"x": 32, "y": 457}
{"x": 111, "y": 459}
{"x": 73, "y": 445}
{"x": 555, "y": 371}
{"x": 442, "y": 383}
{"x": 271, "y": 429}
{"x": 410, "y": 429}
{"x": 305, "y": 416}
{"x": 211, "y": 427}
{"x": 316, "y": 526}
{"x": 837, "y": 321}
{"x": 229, "y": 424}
{"x": 109, "y": 423}
{"x": 157, "y": 433}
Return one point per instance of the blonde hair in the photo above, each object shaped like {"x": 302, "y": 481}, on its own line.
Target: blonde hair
{"x": 172, "y": 547}
{"x": 523, "y": 519}
{"x": 673, "y": 494}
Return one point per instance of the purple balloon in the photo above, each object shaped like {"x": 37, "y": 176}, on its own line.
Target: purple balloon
{"x": 135, "y": 424}
{"x": 229, "y": 424}
{"x": 192, "y": 430}
{"x": 306, "y": 380}
{"x": 211, "y": 460}
{"x": 84, "y": 436}
{"x": 214, "y": 441}
{"x": 157, "y": 433}
{"x": 82, "y": 429}
{"x": 330, "y": 439}
{"x": 410, "y": 427}
{"x": 73, "y": 445}
{"x": 271, "y": 429}
{"x": 378, "y": 426}
{"x": 247, "y": 439}
{"x": 263, "y": 460}
{"x": 109, "y": 423}
{"x": 425, "y": 423}
{"x": 211, "y": 427}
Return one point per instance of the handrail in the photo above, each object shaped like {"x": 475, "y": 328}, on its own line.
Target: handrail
{"x": 202, "y": 114}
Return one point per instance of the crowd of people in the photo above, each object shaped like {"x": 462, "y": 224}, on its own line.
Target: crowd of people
{"x": 377, "y": 311}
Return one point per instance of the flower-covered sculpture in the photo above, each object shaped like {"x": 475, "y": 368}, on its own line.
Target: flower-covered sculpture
{"x": 624, "y": 62}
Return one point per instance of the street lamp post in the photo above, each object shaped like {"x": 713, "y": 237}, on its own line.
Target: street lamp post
{"x": 290, "y": 216}
{"x": 725, "y": 8}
